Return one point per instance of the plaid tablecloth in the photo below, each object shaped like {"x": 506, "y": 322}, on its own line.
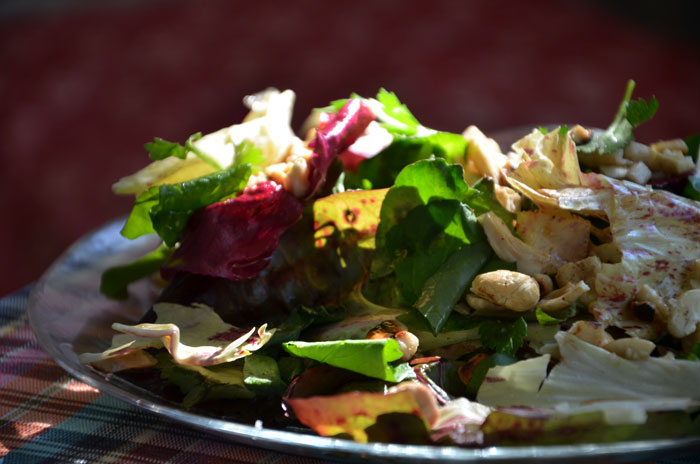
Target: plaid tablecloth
{"x": 48, "y": 416}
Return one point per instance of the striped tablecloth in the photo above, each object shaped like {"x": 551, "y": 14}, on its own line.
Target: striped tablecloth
{"x": 48, "y": 416}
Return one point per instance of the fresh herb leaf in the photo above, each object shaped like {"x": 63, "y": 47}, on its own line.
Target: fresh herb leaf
{"x": 639, "y": 111}
{"x": 368, "y": 357}
{"x": 160, "y": 149}
{"x": 115, "y": 280}
{"x": 545, "y": 319}
{"x": 247, "y": 153}
{"x": 629, "y": 115}
{"x": 503, "y": 336}
{"x": 396, "y": 112}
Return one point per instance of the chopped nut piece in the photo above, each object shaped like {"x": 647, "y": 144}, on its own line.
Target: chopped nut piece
{"x": 586, "y": 269}
{"x": 685, "y": 314}
{"x": 616, "y": 172}
{"x": 591, "y": 332}
{"x": 563, "y": 297}
{"x": 634, "y": 349}
{"x": 580, "y": 134}
{"x": 636, "y": 151}
{"x": 673, "y": 161}
{"x": 673, "y": 144}
{"x": 639, "y": 173}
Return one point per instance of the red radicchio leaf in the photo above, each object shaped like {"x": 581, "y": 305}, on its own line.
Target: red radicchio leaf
{"x": 334, "y": 136}
{"x": 234, "y": 239}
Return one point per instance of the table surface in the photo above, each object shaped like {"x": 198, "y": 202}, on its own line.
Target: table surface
{"x": 48, "y": 416}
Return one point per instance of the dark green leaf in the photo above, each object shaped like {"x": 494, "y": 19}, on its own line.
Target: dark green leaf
{"x": 693, "y": 143}
{"x": 196, "y": 388}
{"x": 503, "y": 336}
{"x": 262, "y": 375}
{"x": 482, "y": 368}
{"x": 482, "y": 199}
{"x": 368, "y": 357}
{"x": 692, "y": 188}
{"x": 177, "y": 202}
{"x": 139, "y": 221}
{"x": 115, "y": 280}
{"x": 444, "y": 288}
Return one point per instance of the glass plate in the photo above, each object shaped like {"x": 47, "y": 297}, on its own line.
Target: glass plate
{"x": 69, "y": 316}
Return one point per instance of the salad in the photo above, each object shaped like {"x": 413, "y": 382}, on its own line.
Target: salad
{"x": 378, "y": 280}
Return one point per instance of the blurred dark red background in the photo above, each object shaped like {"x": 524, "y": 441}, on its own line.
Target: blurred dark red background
{"x": 83, "y": 86}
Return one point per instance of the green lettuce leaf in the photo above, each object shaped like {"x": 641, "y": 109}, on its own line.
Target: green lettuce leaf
{"x": 261, "y": 375}
{"x": 115, "y": 280}
{"x": 429, "y": 237}
{"x": 503, "y": 336}
{"x": 200, "y": 384}
{"x": 368, "y": 357}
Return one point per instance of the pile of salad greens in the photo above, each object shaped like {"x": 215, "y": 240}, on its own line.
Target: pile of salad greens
{"x": 379, "y": 280}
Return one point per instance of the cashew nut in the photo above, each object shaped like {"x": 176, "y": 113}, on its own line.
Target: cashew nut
{"x": 546, "y": 284}
{"x": 512, "y": 290}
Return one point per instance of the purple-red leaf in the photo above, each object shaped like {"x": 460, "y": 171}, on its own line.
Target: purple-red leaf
{"x": 234, "y": 239}
{"x": 334, "y": 136}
